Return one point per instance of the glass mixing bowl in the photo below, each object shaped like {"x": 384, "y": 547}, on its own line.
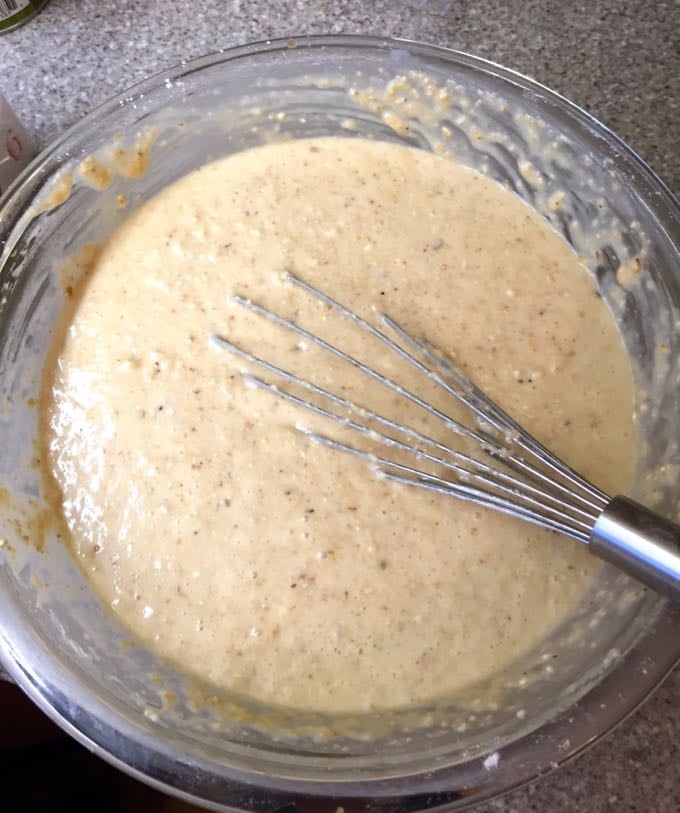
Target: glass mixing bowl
{"x": 112, "y": 693}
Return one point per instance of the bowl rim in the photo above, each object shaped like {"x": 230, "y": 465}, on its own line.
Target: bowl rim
{"x": 609, "y": 702}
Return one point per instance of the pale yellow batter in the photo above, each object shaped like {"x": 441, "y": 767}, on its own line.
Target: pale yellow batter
{"x": 281, "y": 569}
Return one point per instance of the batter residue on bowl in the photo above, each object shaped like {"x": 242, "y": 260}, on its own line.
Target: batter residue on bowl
{"x": 276, "y": 568}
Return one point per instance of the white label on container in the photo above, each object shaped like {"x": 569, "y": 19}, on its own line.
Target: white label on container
{"x": 16, "y": 146}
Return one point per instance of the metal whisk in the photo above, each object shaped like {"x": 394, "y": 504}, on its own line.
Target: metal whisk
{"x": 516, "y": 475}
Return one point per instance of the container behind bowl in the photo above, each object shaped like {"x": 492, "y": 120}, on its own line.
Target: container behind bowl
{"x": 70, "y": 653}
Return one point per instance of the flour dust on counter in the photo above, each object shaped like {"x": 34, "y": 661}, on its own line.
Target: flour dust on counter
{"x": 270, "y": 566}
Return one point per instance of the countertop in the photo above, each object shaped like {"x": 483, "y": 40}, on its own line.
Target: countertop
{"x": 618, "y": 60}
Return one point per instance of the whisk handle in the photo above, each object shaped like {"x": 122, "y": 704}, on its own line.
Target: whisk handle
{"x": 640, "y": 542}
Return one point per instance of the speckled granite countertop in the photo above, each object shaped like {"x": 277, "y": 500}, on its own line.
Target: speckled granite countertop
{"x": 619, "y": 60}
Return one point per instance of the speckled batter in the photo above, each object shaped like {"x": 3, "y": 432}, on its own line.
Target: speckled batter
{"x": 218, "y": 533}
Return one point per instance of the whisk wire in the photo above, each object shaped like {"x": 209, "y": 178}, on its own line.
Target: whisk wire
{"x": 485, "y": 475}
{"x": 536, "y": 495}
{"x": 384, "y": 380}
{"x": 488, "y": 411}
{"x": 522, "y": 479}
{"x": 499, "y": 504}
{"x": 483, "y": 407}
{"x": 477, "y": 472}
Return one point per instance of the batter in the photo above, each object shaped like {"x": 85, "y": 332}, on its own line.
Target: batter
{"x": 276, "y": 568}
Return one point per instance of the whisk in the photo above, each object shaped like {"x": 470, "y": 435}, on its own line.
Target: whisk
{"x": 513, "y": 473}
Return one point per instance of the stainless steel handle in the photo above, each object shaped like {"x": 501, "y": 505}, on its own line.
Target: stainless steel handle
{"x": 640, "y": 542}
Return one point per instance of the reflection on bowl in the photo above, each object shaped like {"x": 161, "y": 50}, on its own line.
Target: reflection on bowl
{"x": 116, "y": 695}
